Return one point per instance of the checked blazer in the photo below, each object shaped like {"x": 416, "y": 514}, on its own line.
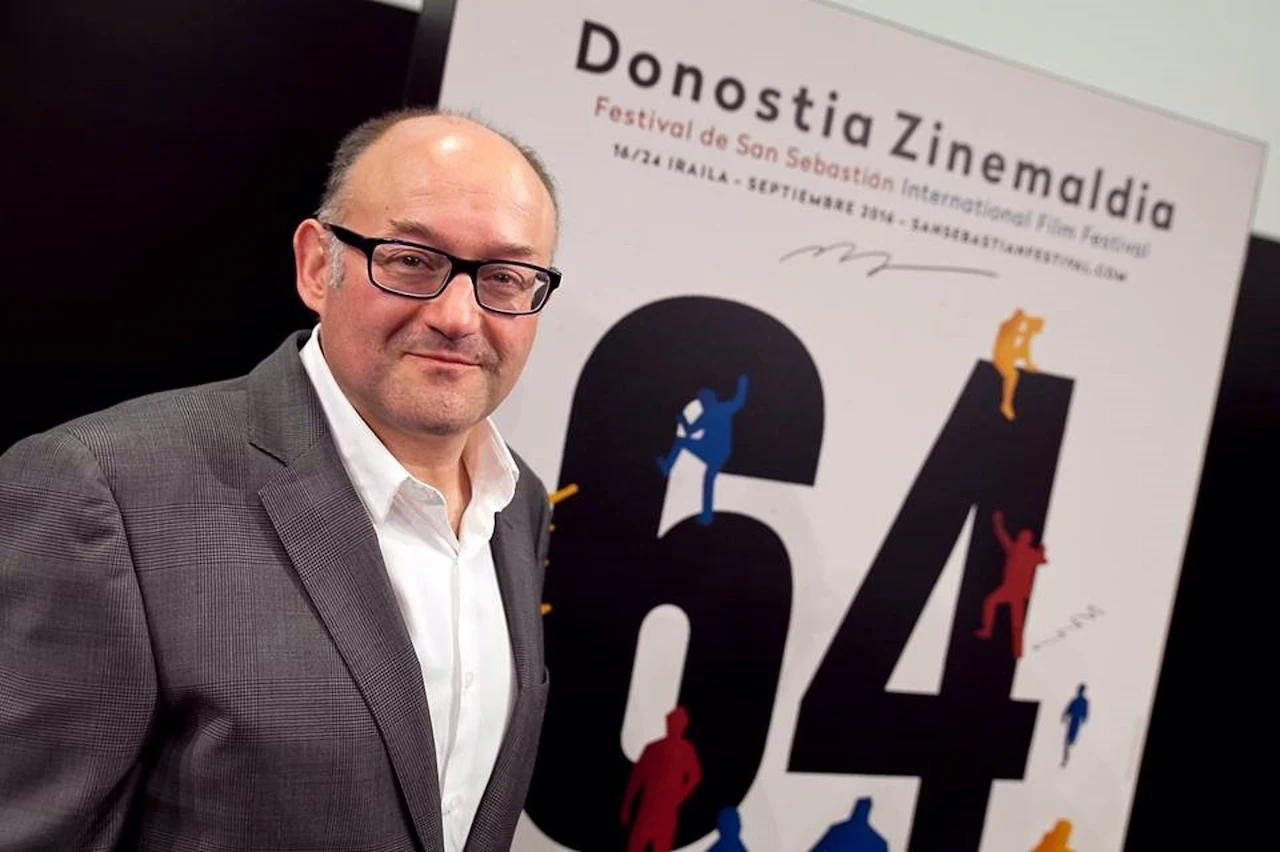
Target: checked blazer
{"x": 199, "y": 645}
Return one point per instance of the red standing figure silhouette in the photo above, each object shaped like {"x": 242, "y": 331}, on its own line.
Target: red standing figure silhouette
{"x": 663, "y": 778}
{"x": 1020, "y": 563}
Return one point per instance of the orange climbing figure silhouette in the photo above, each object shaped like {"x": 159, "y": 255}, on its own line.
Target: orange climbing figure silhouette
{"x": 1056, "y": 839}
{"x": 1013, "y": 344}
{"x": 1021, "y": 560}
{"x": 663, "y": 778}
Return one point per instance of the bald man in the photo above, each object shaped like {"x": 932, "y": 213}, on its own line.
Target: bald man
{"x": 299, "y": 610}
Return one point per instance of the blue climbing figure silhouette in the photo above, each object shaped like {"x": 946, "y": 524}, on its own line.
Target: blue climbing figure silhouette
{"x": 1075, "y": 714}
{"x": 729, "y": 825}
{"x": 855, "y": 834}
{"x": 710, "y": 438}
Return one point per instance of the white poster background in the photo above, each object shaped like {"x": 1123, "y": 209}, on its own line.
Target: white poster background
{"x": 893, "y": 350}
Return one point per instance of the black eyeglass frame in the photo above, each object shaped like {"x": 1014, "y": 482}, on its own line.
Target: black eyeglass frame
{"x": 470, "y": 268}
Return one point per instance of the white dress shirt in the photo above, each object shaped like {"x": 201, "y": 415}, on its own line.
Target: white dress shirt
{"x": 446, "y": 587}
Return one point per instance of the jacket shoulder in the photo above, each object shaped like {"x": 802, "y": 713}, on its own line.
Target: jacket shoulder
{"x": 168, "y": 420}
{"x": 150, "y": 440}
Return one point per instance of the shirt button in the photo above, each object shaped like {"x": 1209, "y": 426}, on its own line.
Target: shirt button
{"x": 451, "y": 804}
{"x": 468, "y": 680}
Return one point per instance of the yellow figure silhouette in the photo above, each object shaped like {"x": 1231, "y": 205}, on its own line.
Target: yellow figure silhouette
{"x": 1013, "y": 344}
{"x": 553, "y": 498}
{"x": 562, "y": 494}
{"x": 1056, "y": 840}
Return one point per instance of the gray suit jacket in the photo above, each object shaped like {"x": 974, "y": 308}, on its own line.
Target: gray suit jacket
{"x": 199, "y": 645}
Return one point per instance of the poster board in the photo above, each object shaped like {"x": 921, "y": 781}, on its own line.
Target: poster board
{"x": 910, "y": 301}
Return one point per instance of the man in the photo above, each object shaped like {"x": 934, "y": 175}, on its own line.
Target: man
{"x": 729, "y": 832}
{"x": 1074, "y": 716}
{"x": 1055, "y": 840}
{"x": 710, "y": 438}
{"x": 664, "y": 778}
{"x": 1022, "y": 558}
{"x": 299, "y": 609}
{"x": 1013, "y": 344}
{"x": 854, "y": 834}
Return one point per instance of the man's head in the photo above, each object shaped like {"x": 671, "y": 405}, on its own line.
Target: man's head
{"x": 438, "y": 366}
{"x": 677, "y": 722}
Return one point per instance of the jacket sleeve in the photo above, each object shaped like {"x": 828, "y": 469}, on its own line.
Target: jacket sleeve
{"x": 77, "y": 676}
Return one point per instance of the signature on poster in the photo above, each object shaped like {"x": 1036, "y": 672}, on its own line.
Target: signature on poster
{"x": 1078, "y": 622}
{"x": 886, "y": 263}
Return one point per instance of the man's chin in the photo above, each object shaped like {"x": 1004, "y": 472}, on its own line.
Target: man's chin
{"x": 443, "y": 428}
{"x": 441, "y": 408}
{"x": 444, "y": 421}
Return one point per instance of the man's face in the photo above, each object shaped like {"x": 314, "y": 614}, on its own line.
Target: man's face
{"x": 430, "y": 367}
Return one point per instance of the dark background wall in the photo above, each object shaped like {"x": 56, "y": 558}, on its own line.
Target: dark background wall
{"x": 155, "y": 159}
{"x": 156, "y": 156}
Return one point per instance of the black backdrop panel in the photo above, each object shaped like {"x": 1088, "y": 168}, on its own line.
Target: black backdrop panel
{"x": 156, "y": 158}
{"x": 1196, "y": 787}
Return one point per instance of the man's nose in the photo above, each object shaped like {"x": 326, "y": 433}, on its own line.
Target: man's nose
{"x": 454, "y": 313}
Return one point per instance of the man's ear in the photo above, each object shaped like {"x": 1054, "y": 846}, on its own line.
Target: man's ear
{"x": 311, "y": 263}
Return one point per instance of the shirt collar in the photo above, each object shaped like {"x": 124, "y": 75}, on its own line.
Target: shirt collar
{"x": 377, "y": 475}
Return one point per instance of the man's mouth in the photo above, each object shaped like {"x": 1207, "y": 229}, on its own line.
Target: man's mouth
{"x": 445, "y": 358}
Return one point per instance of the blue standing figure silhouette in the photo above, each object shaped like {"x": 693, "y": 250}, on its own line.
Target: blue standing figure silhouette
{"x": 1075, "y": 714}
{"x": 855, "y": 834}
{"x": 729, "y": 824}
{"x": 714, "y": 445}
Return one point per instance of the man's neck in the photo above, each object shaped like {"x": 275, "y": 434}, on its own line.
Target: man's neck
{"x": 435, "y": 460}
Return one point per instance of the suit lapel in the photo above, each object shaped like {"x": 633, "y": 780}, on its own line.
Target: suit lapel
{"x": 513, "y": 549}
{"x": 331, "y": 542}
{"x": 513, "y": 557}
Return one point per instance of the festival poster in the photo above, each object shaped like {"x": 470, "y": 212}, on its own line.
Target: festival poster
{"x": 874, "y": 401}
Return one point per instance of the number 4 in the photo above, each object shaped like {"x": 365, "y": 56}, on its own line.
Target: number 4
{"x": 971, "y": 732}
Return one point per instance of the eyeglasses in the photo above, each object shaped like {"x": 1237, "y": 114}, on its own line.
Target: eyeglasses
{"x": 421, "y": 272}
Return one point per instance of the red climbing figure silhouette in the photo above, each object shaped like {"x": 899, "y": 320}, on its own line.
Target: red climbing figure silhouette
{"x": 663, "y": 778}
{"x": 1021, "y": 560}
